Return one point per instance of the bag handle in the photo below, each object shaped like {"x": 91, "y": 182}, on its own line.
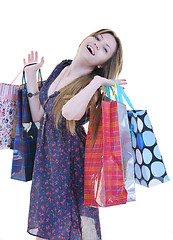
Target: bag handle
{"x": 24, "y": 77}
{"x": 120, "y": 93}
{"x": 16, "y": 77}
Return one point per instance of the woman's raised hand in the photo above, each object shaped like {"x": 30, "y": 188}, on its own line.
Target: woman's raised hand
{"x": 108, "y": 82}
{"x": 33, "y": 58}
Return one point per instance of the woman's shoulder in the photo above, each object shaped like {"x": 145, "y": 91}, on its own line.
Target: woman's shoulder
{"x": 58, "y": 68}
{"x": 63, "y": 64}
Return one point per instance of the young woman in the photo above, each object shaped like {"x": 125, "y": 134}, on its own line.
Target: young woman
{"x": 70, "y": 96}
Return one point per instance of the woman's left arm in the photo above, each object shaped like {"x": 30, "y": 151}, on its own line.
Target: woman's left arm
{"x": 76, "y": 107}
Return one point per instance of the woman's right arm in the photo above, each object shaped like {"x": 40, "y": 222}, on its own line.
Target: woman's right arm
{"x": 36, "y": 108}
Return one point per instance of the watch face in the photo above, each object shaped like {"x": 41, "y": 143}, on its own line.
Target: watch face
{"x": 30, "y": 94}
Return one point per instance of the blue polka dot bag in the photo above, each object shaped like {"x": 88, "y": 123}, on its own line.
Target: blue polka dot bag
{"x": 148, "y": 166}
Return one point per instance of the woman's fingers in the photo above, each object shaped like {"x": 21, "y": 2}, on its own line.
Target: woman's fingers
{"x": 40, "y": 64}
{"x": 24, "y": 61}
{"x": 36, "y": 56}
{"x": 29, "y": 58}
{"x": 121, "y": 81}
{"x": 32, "y": 56}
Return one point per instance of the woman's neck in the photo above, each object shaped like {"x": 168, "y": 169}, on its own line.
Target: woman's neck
{"x": 78, "y": 68}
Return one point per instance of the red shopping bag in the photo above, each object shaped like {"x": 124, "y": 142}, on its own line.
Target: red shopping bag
{"x": 103, "y": 173}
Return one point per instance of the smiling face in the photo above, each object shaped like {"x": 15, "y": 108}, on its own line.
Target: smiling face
{"x": 96, "y": 50}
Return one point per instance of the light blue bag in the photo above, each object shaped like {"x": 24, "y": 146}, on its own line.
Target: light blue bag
{"x": 148, "y": 166}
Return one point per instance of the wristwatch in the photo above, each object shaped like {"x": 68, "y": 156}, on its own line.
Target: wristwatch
{"x": 32, "y": 94}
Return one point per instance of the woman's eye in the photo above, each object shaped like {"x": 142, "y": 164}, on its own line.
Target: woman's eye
{"x": 105, "y": 50}
{"x": 97, "y": 38}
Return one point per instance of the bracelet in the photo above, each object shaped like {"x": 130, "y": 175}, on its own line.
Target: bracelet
{"x": 30, "y": 64}
{"x": 32, "y": 94}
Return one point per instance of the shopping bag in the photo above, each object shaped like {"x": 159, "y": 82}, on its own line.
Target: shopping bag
{"x": 25, "y": 138}
{"x": 8, "y": 98}
{"x": 127, "y": 152}
{"x": 126, "y": 145}
{"x": 103, "y": 173}
{"x": 149, "y": 166}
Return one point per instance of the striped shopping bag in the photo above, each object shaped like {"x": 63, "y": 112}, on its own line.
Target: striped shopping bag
{"x": 103, "y": 173}
{"x": 8, "y": 99}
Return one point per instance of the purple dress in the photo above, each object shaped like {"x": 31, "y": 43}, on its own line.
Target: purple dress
{"x": 57, "y": 209}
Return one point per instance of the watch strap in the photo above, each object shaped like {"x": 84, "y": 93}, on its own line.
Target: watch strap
{"x": 32, "y": 94}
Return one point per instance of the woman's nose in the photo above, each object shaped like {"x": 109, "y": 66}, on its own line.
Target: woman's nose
{"x": 97, "y": 46}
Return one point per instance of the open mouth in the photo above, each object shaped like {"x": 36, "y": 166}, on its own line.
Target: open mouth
{"x": 91, "y": 50}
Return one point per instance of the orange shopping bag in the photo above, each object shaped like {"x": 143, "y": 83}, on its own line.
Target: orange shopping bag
{"x": 103, "y": 173}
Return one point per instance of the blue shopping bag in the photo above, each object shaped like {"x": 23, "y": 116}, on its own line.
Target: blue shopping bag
{"x": 148, "y": 166}
{"x": 24, "y": 142}
{"x": 25, "y": 138}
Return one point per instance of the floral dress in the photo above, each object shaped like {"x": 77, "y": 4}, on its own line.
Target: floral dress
{"x": 57, "y": 209}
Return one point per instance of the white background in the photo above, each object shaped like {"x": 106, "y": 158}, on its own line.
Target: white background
{"x": 55, "y": 29}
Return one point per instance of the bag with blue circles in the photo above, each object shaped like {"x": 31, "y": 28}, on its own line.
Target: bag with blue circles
{"x": 149, "y": 166}
{"x": 148, "y": 163}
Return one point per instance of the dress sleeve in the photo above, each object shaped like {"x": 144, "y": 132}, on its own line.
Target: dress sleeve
{"x": 84, "y": 119}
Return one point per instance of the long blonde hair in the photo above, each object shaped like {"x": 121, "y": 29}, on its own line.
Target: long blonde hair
{"x": 111, "y": 69}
